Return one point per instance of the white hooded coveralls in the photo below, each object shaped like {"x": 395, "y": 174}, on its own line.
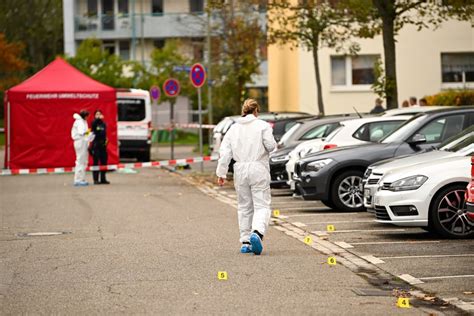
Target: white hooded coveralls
{"x": 78, "y": 134}
{"x": 249, "y": 143}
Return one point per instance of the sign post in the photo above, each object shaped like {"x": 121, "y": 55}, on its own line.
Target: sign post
{"x": 198, "y": 78}
{"x": 155, "y": 94}
{"x": 171, "y": 88}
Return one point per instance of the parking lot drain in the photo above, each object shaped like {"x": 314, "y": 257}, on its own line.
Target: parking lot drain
{"x": 42, "y": 234}
{"x": 371, "y": 292}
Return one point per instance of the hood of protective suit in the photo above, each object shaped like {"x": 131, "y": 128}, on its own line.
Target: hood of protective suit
{"x": 77, "y": 116}
{"x": 246, "y": 119}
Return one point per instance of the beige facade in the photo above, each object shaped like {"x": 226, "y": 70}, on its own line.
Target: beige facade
{"x": 428, "y": 61}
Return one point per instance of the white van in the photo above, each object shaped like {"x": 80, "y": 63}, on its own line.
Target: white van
{"x": 134, "y": 123}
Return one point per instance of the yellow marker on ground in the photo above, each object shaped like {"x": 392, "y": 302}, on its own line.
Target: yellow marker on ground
{"x": 222, "y": 275}
{"x": 308, "y": 240}
{"x": 332, "y": 261}
{"x": 276, "y": 213}
{"x": 330, "y": 228}
{"x": 403, "y": 302}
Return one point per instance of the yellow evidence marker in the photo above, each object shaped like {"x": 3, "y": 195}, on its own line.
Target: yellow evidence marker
{"x": 403, "y": 302}
{"x": 330, "y": 228}
{"x": 332, "y": 261}
{"x": 276, "y": 213}
{"x": 308, "y": 240}
{"x": 222, "y": 275}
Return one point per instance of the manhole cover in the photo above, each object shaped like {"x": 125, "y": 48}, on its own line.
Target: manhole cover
{"x": 42, "y": 234}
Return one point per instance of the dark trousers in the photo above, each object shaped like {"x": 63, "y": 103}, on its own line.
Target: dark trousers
{"x": 100, "y": 155}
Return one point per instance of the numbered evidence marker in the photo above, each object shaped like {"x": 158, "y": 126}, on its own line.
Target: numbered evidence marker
{"x": 308, "y": 240}
{"x": 403, "y": 302}
{"x": 332, "y": 261}
{"x": 276, "y": 213}
{"x": 222, "y": 275}
{"x": 330, "y": 228}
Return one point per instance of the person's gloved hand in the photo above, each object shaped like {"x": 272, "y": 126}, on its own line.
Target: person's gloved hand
{"x": 220, "y": 181}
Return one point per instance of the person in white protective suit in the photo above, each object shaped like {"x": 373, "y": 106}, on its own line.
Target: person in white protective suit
{"x": 249, "y": 143}
{"x": 81, "y": 135}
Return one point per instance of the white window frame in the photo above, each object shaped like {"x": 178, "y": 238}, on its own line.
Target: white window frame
{"x": 454, "y": 85}
{"x": 348, "y": 87}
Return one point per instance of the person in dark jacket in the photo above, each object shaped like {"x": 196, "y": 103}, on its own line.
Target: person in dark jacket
{"x": 99, "y": 147}
{"x": 378, "y": 108}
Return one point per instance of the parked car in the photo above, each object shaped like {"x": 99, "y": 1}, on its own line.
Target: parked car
{"x": 425, "y": 195}
{"x": 470, "y": 195}
{"x": 302, "y": 131}
{"x": 271, "y": 117}
{"x": 134, "y": 123}
{"x": 412, "y": 110}
{"x": 335, "y": 176}
{"x": 453, "y": 147}
{"x": 348, "y": 132}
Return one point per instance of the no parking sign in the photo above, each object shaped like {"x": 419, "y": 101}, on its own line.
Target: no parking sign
{"x": 171, "y": 87}
{"x": 197, "y": 75}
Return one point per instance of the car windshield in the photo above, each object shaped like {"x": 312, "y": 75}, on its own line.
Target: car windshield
{"x": 334, "y": 132}
{"x": 290, "y": 132}
{"x": 399, "y": 133}
{"x": 460, "y": 142}
{"x": 131, "y": 110}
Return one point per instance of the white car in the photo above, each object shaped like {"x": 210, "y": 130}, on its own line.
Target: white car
{"x": 412, "y": 110}
{"x": 351, "y": 132}
{"x": 428, "y": 195}
{"x": 455, "y": 146}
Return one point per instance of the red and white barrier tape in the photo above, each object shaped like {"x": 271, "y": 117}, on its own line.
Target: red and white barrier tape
{"x": 174, "y": 162}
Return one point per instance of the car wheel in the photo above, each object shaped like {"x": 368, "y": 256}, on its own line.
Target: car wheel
{"x": 328, "y": 203}
{"x": 346, "y": 191}
{"x": 448, "y": 213}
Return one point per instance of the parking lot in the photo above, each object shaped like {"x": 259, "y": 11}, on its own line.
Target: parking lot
{"x": 441, "y": 267}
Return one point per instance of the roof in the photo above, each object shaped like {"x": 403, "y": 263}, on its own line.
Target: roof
{"x": 59, "y": 76}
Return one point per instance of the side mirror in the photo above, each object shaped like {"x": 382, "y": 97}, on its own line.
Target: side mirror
{"x": 417, "y": 139}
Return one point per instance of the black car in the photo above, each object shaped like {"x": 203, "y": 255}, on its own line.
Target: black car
{"x": 335, "y": 176}
{"x": 303, "y": 130}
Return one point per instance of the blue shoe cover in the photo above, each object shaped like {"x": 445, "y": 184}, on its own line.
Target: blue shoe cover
{"x": 246, "y": 248}
{"x": 256, "y": 243}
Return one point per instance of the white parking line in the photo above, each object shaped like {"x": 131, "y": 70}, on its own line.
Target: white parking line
{"x": 343, "y": 245}
{"x": 322, "y": 214}
{"x": 340, "y": 222}
{"x": 410, "y": 279}
{"x": 372, "y": 259}
{"x": 430, "y": 256}
{"x": 364, "y": 230}
{"x": 448, "y": 277}
{"x": 395, "y": 242}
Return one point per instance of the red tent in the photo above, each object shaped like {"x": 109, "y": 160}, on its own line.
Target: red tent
{"x": 38, "y": 116}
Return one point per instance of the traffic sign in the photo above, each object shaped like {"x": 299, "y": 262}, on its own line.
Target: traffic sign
{"x": 155, "y": 93}
{"x": 197, "y": 75}
{"x": 171, "y": 87}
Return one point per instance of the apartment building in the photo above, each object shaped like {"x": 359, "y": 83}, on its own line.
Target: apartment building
{"x": 428, "y": 61}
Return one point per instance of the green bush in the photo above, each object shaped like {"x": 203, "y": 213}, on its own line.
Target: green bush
{"x": 452, "y": 97}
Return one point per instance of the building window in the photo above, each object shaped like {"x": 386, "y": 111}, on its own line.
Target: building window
{"x": 196, "y": 6}
{"x": 353, "y": 71}
{"x": 124, "y": 50}
{"x": 457, "y": 69}
{"x": 157, "y": 7}
{"x": 92, "y": 8}
{"x": 198, "y": 48}
{"x": 123, "y": 6}
{"x": 109, "y": 46}
{"x": 159, "y": 43}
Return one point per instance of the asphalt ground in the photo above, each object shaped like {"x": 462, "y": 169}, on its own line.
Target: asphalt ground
{"x": 151, "y": 243}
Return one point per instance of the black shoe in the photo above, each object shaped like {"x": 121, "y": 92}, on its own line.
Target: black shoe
{"x": 104, "y": 182}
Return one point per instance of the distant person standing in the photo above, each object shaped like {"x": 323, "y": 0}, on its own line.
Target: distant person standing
{"x": 378, "y": 108}
{"x": 99, "y": 147}
{"x": 423, "y": 102}
{"x": 405, "y": 104}
{"x": 81, "y": 135}
{"x": 413, "y": 101}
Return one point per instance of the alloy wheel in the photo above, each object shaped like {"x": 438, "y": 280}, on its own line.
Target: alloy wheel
{"x": 350, "y": 192}
{"x": 452, "y": 213}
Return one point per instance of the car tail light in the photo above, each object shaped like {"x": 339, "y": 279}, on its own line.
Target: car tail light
{"x": 329, "y": 146}
{"x": 272, "y": 124}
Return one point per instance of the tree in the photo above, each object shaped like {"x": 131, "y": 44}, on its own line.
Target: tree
{"x": 390, "y": 16}
{"x": 11, "y": 64}
{"x": 312, "y": 24}
{"x": 236, "y": 38}
{"x": 38, "y": 24}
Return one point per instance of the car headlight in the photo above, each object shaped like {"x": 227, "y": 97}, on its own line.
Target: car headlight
{"x": 318, "y": 164}
{"x": 406, "y": 184}
{"x": 280, "y": 158}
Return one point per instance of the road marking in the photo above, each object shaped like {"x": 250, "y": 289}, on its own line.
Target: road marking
{"x": 430, "y": 256}
{"x": 298, "y": 224}
{"x": 448, "y": 277}
{"x": 322, "y": 214}
{"x": 363, "y": 230}
{"x": 343, "y": 245}
{"x": 372, "y": 259}
{"x": 395, "y": 242}
{"x": 410, "y": 279}
{"x": 339, "y": 222}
